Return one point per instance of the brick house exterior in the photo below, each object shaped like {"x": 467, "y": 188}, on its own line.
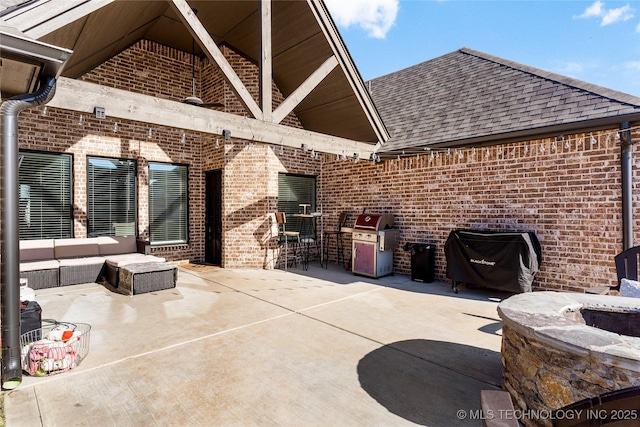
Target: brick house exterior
{"x": 567, "y": 192}
{"x": 250, "y": 171}
{"x": 568, "y": 195}
{"x": 486, "y": 143}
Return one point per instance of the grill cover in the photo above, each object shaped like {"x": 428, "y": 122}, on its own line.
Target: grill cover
{"x": 374, "y": 222}
{"x": 499, "y": 260}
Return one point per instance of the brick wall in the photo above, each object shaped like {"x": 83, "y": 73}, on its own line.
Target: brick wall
{"x": 250, "y": 199}
{"x": 145, "y": 67}
{"x": 568, "y": 193}
{"x": 249, "y": 170}
{"x": 83, "y": 135}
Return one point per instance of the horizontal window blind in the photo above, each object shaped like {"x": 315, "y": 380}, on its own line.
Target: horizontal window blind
{"x": 111, "y": 197}
{"x": 294, "y": 190}
{"x": 45, "y": 196}
{"x": 168, "y": 204}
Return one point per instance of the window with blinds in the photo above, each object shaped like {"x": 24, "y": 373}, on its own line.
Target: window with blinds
{"x": 293, "y": 191}
{"x": 111, "y": 197}
{"x": 45, "y": 196}
{"x": 168, "y": 204}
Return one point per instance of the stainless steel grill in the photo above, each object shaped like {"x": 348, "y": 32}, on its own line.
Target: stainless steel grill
{"x": 373, "y": 241}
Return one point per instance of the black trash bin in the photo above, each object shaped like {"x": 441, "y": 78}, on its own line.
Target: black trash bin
{"x": 423, "y": 257}
{"x": 30, "y": 318}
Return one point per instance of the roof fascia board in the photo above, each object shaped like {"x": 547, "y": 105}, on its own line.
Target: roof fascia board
{"x": 209, "y": 46}
{"x": 266, "y": 69}
{"x": 80, "y": 96}
{"x": 529, "y": 134}
{"x": 340, "y": 51}
{"x": 304, "y": 89}
{"x": 52, "y": 15}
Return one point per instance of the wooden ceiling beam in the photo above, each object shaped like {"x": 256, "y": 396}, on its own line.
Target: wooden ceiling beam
{"x": 304, "y": 89}
{"x": 266, "y": 69}
{"x": 83, "y": 97}
{"x": 212, "y": 51}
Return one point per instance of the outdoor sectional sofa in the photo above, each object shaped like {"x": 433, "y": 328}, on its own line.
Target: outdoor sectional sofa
{"x": 63, "y": 262}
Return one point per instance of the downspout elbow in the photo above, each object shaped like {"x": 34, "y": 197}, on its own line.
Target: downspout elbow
{"x": 18, "y": 103}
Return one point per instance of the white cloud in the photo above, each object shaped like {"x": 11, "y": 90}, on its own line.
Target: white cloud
{"x": 595, "y": 10}
{"x": 623, "y": 13}
{"x": 571, "y": 68}
{"x": 376, "y": 17}
{"x": 608, "y": 16}
{"x": 638, "y": 28}
{"x": 632, "y": 66}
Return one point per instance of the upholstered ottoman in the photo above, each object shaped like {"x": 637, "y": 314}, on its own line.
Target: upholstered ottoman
{"x": 146, "y": 277}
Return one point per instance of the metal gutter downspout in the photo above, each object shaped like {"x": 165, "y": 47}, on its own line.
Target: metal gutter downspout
{"x": 10, "y": 229}
{"x": 627, "y": 183}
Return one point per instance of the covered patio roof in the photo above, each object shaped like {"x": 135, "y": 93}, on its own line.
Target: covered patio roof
{"x": 295, "y": 43}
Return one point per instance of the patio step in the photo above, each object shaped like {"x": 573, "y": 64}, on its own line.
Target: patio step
{"x": 497, "y": 409}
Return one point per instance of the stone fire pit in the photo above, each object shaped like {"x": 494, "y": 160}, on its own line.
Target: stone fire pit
{"x": 551, "y": 357}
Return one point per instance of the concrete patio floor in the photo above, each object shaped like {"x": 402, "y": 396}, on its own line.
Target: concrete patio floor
{"x": 321, "y": 347}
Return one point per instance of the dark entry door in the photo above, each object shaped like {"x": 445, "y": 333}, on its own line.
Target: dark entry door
{"x": 213, "y": 218}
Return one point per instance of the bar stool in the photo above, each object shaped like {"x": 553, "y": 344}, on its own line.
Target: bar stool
{"x": 338, "y": 233}
{"x": 308, "y": 236}
{"x": 286, "y": 236}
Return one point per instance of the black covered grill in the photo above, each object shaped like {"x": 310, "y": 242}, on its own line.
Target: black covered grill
{"x": 505, "y": 261}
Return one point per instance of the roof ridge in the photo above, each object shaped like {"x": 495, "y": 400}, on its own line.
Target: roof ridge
{"x": 559, "y": 78}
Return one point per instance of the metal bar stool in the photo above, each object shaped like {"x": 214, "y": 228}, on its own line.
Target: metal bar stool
{"x": 307, "y": 236}
{"x": 286, "y": 236}
{"x": 338, "y": 233}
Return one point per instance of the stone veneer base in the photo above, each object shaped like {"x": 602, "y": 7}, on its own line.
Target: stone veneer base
{"x": 550, "y": 358}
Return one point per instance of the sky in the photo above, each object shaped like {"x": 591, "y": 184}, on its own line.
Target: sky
{"x": 595, "y": 41}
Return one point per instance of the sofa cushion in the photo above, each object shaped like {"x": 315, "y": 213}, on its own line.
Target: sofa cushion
{"x": 36, "y": 250}
{"x": 136, "y": 258}
{"x": 74, "y": 262}
{"x": 51, "y": 264}
{"x": 76, "y": 248}
{"x": 117, "y": 245}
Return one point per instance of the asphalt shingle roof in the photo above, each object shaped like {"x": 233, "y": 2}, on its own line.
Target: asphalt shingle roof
{"x": 464, "y": 96}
